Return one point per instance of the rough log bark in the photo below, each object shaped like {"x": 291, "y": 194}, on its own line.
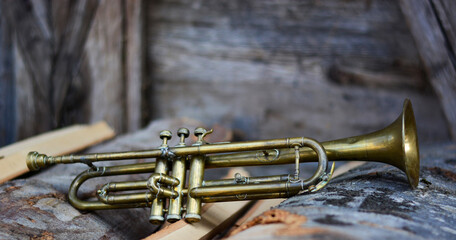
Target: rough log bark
{"x": 433, "y": 28}
{"x": 373, "y": 201}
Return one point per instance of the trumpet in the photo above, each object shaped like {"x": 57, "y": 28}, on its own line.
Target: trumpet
{"x": 170, "y": 196}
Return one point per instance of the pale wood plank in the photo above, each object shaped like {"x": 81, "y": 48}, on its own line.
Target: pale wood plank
{"x": 58, "y": 142}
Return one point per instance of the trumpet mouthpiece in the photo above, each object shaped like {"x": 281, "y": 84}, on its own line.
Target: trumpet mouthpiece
{"x": 35, "y": 161}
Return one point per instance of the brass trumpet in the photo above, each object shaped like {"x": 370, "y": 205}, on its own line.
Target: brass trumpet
{"x": 165, "y": 192}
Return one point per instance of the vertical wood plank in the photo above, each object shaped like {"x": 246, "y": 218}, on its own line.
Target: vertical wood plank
{"x": 35, "y": 48}
{"x": 434, "y": 52}
{"x": 103, "y": 53}
{"x": 47, "y": 61}
{"x": 70, "y": 51}
{"x": 7, "y": 85}
{"x": 135, "y": 56}
{"x": 446, "y": 12}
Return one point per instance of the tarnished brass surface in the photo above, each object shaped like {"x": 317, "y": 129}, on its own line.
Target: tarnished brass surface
{"x": 396, "y": 145}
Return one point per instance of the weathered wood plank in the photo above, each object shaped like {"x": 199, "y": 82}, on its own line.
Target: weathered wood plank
{"x": 68, "y": 55}
{"x": 265, "y": 67}
{"x": 7, "y": 85}
{"x": 432, "y": 44}
{"x": 134, "y": 62}
{"x": 50, "y": 64}
{"x": 103, "y": 53}
{"x": 36, "y": 50}
{"x": 447, "y": 16}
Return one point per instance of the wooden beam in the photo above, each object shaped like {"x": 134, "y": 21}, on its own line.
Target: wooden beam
{"x": 427, "y": 25}
{"x": 58, "y": 142}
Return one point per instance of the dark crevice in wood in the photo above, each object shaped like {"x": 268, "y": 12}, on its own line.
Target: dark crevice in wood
{"x": 438, "y": 16}
{"x": 123, "y": 56}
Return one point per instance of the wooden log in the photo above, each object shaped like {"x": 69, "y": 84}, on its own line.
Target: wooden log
{"x": 262, "y": 206}
{"x": 428, "y": 26}
{"x": 373, "y": 201}
{"x": 58, "y": 142}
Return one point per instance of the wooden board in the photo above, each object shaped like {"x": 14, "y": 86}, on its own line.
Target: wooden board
{"x": 58, "y": 142}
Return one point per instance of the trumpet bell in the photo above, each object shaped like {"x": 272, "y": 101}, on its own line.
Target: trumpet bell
{"x": 410, "y": 156}
{"x": 397, "y": 145}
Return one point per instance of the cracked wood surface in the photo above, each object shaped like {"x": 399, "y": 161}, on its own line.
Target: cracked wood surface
{"x": 374, "y": 201}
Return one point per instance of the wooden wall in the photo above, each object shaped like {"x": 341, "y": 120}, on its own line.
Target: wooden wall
{"x": 324, "y": 69}
{"x": 74, "y": 61}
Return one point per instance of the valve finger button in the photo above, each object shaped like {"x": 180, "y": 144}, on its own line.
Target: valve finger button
{"x": 183, "y": 132}
{"x": 200, "y": 131}
{"x": 166, "y": 134}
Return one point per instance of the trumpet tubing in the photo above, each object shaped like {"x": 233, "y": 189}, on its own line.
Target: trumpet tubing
{"x": 166, "y": 193}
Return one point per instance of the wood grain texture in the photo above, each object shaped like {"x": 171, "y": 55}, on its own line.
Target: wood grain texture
{"x": 134, "y": 65}
{"x": 103, "y": 59}
{"x": 375, "y": 201}
{"x": 34, "y": 45}
{"x": 433, "y": 31}
{"x": 68, "y": 55}
{"x": 50, "y": 64}
{"x": 447, "y": 16}
{"x": 324, "y": 69}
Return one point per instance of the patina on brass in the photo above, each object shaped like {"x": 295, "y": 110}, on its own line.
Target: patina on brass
{"x": 396, "y": 145}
